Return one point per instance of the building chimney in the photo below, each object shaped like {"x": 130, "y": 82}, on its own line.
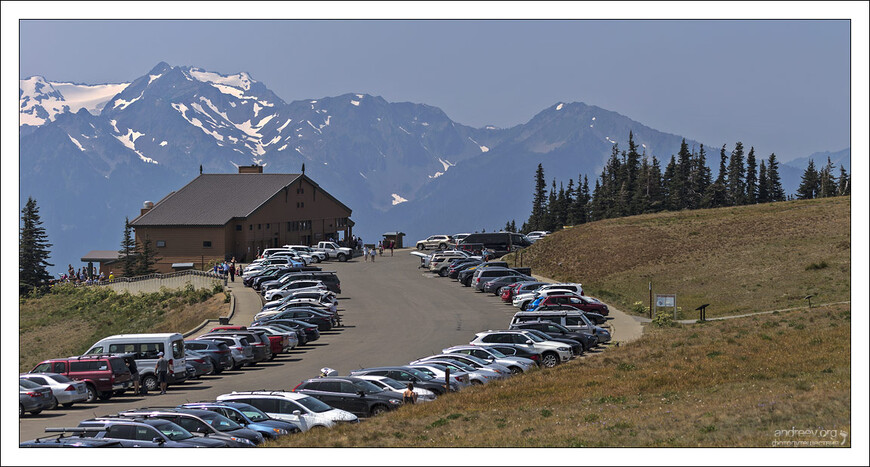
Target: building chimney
{"x": 146, "y": 206}
{"x": 251, "y": 169}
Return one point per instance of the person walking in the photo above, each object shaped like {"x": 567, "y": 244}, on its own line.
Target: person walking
{"x": 365, "y": 253}
{"x": 161, "y": 369}
{"x": 134, "y": 374}
{"x": 392, "y": 245}
{"x": 374, "y": 253}
{"x": 409, "y": 396}
{"x": 233, "y": 270}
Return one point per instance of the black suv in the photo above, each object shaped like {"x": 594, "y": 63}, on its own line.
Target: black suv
{"x": 202, "y": 423}
{"x": 559, "y": 333}
{"x": 355, "y": 395}
{"x": 144, "y": 432}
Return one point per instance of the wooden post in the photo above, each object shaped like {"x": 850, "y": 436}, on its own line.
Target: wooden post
{"x": 650, "y": 300}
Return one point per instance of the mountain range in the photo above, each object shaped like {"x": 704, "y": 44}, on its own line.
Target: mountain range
{"x": 92, "y": 154}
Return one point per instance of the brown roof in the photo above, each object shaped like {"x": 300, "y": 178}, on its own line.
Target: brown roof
{"x": 215, "y": 199}
{"x": 101, "y": 255}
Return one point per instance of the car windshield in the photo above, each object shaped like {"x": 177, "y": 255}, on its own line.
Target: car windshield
{"x": 219, "y": 422}
{"x": 540, "y": 334}
{"x": 255, "y": 414}
{"x": 368, "y": 387}
{"x": 419, "y": 374}
{"x": 456, "y": 365}
{"x": 495, "y": 353}
{"x": 27, "y": 384}
{"x": 393, "y": 383}
{"x": 313, "y": 404}
{"x": 534, "y": 337}
{"x": 171, "y": 430}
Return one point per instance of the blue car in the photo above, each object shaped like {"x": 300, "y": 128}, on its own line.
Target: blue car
{"x": 248, "y": 416}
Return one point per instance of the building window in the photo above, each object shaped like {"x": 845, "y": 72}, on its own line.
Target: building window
{"x": 259, "y": 226}
{"x": 267, "y": 226}
{"x": 161, "y": 243}
{"x": 299, "y": 191}
{"x": 250, "y": 226}
{"x": 206, "y": 243}
{"x": 239, "y": 227}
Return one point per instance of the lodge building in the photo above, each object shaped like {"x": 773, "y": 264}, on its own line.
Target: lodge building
{"x": 217, "y": 217}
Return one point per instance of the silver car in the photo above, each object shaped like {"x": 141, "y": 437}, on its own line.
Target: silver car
{"x": 66, "y": 392}
{"x": 516, "y": 365}
{"x": 475, "y": 375}
{"x": 475, "y": 362}
{"x": 439, "y": 371}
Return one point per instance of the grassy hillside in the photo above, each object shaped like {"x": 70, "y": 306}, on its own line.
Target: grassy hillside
{"x": 723, "y": 383}
{"x": 739, "y": 259}
{"x": 68, "y": 320}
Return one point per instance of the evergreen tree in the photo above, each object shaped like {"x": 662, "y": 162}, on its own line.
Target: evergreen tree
{"x": 632, "y": 169}
{"x": 33, "y": 250}
{"x": 550, "y": 216}
{"x": 669, "y": 186}
{"x": 775, "y": 191}
{"x": 561, "y": 211}
{"x": 536, "y": 220}
{"x": 827, "y": 181}
{"x": 763, "y": 185}
{"x": 736, "y": 187}
{"x": 513, "y": 226}
{"x": 596, "y": 208}
{"x": 809, "y": 187}
{"x": 700, "y": 179}
{"x": 128, "y": 254}
{"x": 583, "y": 204}
{"x": 680, "y": 182}
{"x": 843, "y": 183}
{"x": 751, "y": 178}
{"x": 147, "y": 258}
{"x": 640, "y": 201}
{"x": 507, "y": 226}
{"x": 656, "y": 190}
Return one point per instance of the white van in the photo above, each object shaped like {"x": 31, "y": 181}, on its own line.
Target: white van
{"x": 145, "y": 347}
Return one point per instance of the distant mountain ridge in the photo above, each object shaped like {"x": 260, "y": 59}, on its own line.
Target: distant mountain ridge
{"x": 90, "y": 158}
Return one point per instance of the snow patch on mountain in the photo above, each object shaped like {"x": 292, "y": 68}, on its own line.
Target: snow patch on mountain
{"x": 356, "y": 103}
{"x": 182, "y": 109}
{"x": 482, "y": 147}
{"x": 54, "y": 98}
{"x": 397, "y": 199}
{"x": 559, "y": 107}
{"x": 163, "y": 143}
{"x": 76, "y": 142}
{"x": 129, "y": 140}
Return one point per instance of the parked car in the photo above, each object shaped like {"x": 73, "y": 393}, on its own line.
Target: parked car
{"x": 317, "y": 256}
{"x": 458, "y": 377}
{"x": 202, "y": 423}
{"x": 309, "y": 331}
{"x": 241, "y": 351}
{"x": 355, "y": 395}
{"x": 323, "y": 322}
{"x": 145, "y": 432}
{"x": 247, "y": 416}
{"x": 197, "y": 364}
{"x": 440, "y": 263}
{"x": 576, "y": 346}
{"x": 62, "y": 439}
{"x": 552, "y": 353}
{"x": 522, "y": 301}
{"x": 218, "y": 352}
{"x": 516, "y": 365}
{"x": 500, "y": 370}
{"x": 404, "y": 375}
{"x": 397, "y": 388}
{"x": 499, "y": 243}
{"x": 302, "y": 410}
{"x": 476, "y": 376}
{"x": 258, "y": 342}
{"x": 597, "y": 319}
{"x": 435, "y": 241}
{"x": 574, "y": 320}
{"x": 512, "y": 351}
{"x": 102, "y": 374}
{"x": 493, "y": 285}
{"x": 465, "y": 275}
{"x": 65, "y": 391}
{"x": 571, "y": 300}
{"x": 33, "y": 398}
{"x": 519, "y": 288}
{"x": 554, "y": 330}
{"x": 458, "y": 266}
{"x": 283, "y": 340}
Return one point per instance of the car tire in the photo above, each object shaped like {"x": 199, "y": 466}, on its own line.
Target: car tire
{"x": 54, "y": 404}
{"x": 36, "y": 412}
{"x": 515, "y": 370}
{"x": 20, "y": 410}
{"x": 316, "y": 259}
{"x": 216, "y": 368}
{"x": 378, "y": 409}
{"x": 342, "y": 258}
{"x": 443, "y": 272}
{"x": 549, "y": 360}
{"x": 442, "y": 246}
{"x": 105, "y": 395}
{"x": 150, "y": 383}
{"x": 421, "y": 247}
{"x": 67, "y": 405}
{"x": 92, "y": 393}
{"x": 475, "y": 382}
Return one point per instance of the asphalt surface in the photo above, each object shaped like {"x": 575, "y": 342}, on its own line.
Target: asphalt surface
{"x": 392, "y": 311}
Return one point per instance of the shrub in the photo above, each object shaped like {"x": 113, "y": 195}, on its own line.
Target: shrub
{"x": 664, "y": 320}
{"x": 816, "y": 266}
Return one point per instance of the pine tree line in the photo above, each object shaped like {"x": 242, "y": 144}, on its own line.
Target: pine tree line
{"x": 33, "y": 251}
{"x": 632, "y": 183}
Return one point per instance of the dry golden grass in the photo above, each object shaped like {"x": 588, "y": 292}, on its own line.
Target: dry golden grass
{"x": 739, "y": 260}
{"x": 725, "y": 383}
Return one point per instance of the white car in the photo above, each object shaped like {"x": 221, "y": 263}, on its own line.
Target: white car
{"x": 293, "y": 287}
{"x": 389, "y": 384}
{"x": 522, "y": 301}
{"x": 460, "y": 379}
{"x": 515, "y": 364}
{"x": 316, "y": 256}
{"x": 552, "y": 353}
{"x": 302, "y": 410}
{"x": 439, "y": 242}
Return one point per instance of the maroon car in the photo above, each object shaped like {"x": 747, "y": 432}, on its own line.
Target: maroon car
{"x": 103, "y": 375}
{"x": 574, "y": 301}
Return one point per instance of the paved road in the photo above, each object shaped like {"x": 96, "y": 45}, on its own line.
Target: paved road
{"x": 393, "y": 313}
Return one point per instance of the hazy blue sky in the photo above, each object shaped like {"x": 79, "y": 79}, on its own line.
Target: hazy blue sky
{"x": 781, "y": 86}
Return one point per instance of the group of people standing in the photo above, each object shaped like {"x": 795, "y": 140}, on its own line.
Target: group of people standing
{"x": 378, "y": 250}
{"x": 230, "y": 269}
{"x": 82, "y": 276}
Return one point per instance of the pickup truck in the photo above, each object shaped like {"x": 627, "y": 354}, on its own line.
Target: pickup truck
{"x": 334, "y": 251}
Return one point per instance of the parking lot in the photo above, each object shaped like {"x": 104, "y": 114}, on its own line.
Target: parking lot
{"x": 392, "y": 313}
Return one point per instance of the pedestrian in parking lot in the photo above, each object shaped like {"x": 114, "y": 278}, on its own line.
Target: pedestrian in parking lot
{"x": 392, "y": 245}
{"x": 374, "y": 253}
{"x": 134, "y": 374}
{"x": 161, "y": 368}
{"x": 232, "y": 273}
{"x": 409, "y": 396}
{"x": 365, "y": 253}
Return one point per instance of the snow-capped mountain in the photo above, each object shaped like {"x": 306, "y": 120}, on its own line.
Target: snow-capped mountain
{"x": 41, "y": 101}
{"x": 90, "y": 155}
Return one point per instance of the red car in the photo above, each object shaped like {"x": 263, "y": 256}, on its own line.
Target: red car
{"x": 102, "y": 375}
{"x": 579, "y": 302}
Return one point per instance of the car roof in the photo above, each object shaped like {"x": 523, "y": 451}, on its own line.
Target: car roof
{"x": 266, "y": 393}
